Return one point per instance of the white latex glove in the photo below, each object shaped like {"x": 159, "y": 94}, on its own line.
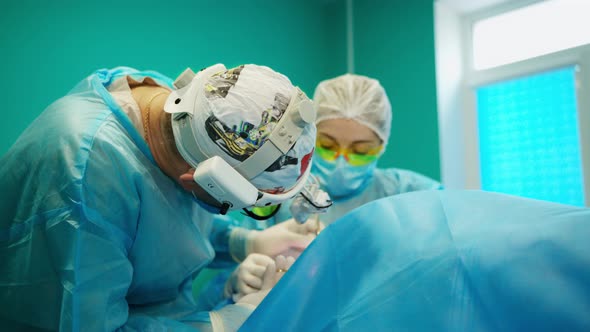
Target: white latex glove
{"x": 273, "y": 273}
{"x": 283, "y": 265}
{"x": 287, "y": 238}
{"x": 247, "y": 277}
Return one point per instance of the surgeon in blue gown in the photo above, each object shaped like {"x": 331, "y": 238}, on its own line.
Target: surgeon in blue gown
{"x": 353, "y": 128}
{"x": 103, "y": 227}
{"x": 440, "y": 261}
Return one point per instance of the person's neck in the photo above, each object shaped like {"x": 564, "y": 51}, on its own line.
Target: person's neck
{"x": 158, "y": 130}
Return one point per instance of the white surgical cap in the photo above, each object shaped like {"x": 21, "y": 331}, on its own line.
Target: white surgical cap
{"x": 354, "y": 97}
{"x": 237, "y": 109}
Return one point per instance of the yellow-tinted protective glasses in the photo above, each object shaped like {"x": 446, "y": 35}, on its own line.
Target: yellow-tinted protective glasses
{"x": 359, "y": 154}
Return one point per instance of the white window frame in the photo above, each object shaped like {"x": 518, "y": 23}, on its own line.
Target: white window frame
{"x": 460, "y": 167}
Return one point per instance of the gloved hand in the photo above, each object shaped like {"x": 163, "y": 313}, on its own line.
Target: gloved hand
{"x": 247, "y": 277}
{"x": 273, "y": 273}
{"x": 287, "y": 238}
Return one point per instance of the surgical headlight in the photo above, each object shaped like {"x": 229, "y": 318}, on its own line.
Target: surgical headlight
{"x": 231, "y": 186}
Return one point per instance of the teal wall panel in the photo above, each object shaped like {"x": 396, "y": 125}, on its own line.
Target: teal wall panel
{"x": 47, "y": 47}
{"x": 394, "y": 42}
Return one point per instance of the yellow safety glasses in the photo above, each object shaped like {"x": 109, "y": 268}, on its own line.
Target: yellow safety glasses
{"x": 358, "y": 155}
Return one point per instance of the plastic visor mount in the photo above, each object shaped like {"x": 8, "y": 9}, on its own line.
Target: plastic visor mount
{"x": 233, "y": 191}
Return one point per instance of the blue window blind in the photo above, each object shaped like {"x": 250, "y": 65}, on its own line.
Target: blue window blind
{"x": 529, "y": 139}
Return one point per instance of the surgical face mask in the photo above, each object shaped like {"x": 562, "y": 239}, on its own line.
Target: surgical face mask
{"x": 339, "y": 178}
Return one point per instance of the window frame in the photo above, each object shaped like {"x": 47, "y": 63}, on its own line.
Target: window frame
{"x": 471, "y": 79}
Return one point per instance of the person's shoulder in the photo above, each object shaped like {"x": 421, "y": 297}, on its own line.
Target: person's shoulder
{"x": 69, "y": 123}
{"x": 75, "y": 129}
{"x": 392, "y": 172}
{"x": 77, "y": 115}
{"x": 108, "y": 76}
{"x": 398, "y": 172}
{"x": 406, "y": 180}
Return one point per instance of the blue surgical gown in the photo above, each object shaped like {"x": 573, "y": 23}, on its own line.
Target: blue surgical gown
{"x": 440, "y": 260}
{"x": 383, "y": 183}
{"x": 93, "y": 235}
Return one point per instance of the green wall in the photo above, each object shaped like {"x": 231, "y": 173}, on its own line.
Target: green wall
{"x": 48, "y": 46}
{"x": 394, "y": 42}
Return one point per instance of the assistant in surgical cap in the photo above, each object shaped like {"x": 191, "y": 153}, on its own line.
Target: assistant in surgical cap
{"x": 354, "y": 97}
